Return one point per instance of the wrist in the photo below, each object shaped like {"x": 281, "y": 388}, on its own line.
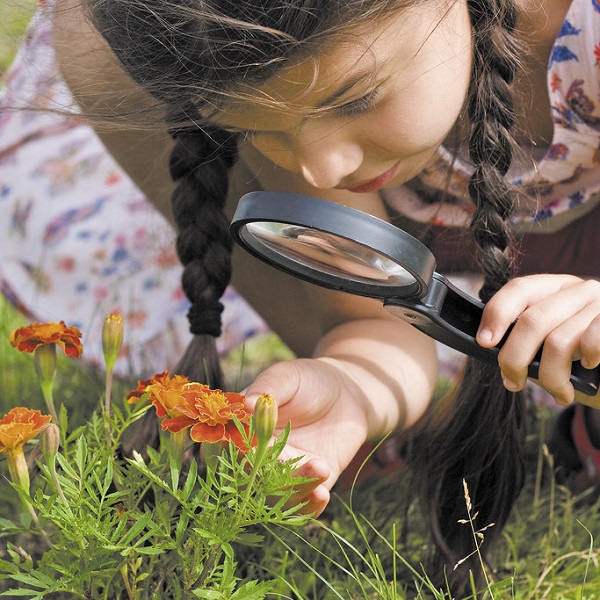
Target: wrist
{"x": 367, "y": 394}
{"x": 389, "y": 368}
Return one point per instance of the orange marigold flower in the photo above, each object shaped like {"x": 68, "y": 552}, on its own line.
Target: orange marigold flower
{"x": 164, "y": 393}
{"x": 142, "y": 387}
{"x": 20, "y": 425}
{"x": 135, "y": 395}
{"x": 166, "y": 397}
{"x": 28, "y": 338}
{"x": 209, "y": 415}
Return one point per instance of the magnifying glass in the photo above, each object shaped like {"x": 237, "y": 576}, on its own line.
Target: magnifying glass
{"x": 341, "y": 248}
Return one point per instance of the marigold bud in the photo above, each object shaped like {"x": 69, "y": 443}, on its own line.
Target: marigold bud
{"x": 44, "y": 359}
{"x": 17, "y": 467}
{"x": 265, "y": 418}
{"x": 50, "y": 440}
{"x": 112, "y": 338}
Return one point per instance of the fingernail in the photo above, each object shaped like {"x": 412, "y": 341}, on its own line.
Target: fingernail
{"x": 510, "y": 385}
{"x": 251, "y": 400}
{"x": 562, "y": 401}
{"x": 485, "y": 335}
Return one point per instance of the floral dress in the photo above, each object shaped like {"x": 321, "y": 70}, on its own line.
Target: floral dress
{"x": 79, "y": 240}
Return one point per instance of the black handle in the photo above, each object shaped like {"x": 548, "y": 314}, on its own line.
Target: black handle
{"x": 452, "y": 317}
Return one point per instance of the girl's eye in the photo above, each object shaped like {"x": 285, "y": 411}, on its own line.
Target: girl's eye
{"x": 360, "y": 106}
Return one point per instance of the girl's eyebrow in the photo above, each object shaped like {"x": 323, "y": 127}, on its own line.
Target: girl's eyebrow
{"x": 355, "y": 80}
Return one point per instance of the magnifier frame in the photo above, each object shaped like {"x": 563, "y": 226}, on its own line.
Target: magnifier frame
{"x": 348, "y": 223}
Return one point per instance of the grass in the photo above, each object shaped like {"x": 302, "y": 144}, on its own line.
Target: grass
{"x": 370, "y": 544}
{"x": 14, "y": 16}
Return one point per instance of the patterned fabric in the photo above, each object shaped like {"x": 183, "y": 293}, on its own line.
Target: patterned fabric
{"x": 567, "y": 178}
{"x": 79, "y": 240}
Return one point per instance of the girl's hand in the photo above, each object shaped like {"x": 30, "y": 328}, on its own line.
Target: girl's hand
{"x": 370, "y": 376}
{"x": 562, "y": 312}
{"x": 328, "y": 417}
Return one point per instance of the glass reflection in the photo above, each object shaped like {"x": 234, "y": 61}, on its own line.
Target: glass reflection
{"x": 329, "y": 253}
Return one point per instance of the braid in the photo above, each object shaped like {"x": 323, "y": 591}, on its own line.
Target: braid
{"x": 199, "y": 164}
{"x": 490, "y": 110}
{"x": 476, "y": 434}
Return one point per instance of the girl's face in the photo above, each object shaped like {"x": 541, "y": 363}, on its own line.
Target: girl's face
{"x": 375, "y": 108}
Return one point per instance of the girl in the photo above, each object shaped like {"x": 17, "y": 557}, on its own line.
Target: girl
{"x": 407, "y": 110}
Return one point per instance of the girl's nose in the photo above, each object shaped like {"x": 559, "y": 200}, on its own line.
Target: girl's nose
{"x": 325, "y": 164}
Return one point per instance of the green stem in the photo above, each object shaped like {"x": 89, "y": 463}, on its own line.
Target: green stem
{"x": 19, "y": 473}
{"x": 38, "y": 524}
{"x": 51, "y": 462}
{"x": 17, "y": 467}
{"x": 131, "y": 594}
{"x": 49, "y": 399}
{"x": 107, "y": 402}
{"x": 210, "y": 455}
{"x": 176, "y": 443}
{"x": 261, "y": 450}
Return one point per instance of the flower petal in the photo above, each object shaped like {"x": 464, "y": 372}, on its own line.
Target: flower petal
{"x": 201, "y": 432}
{"x": 19, "y": 426}
{"x": 28, "y": 338}
{"x": 176, "y": 424}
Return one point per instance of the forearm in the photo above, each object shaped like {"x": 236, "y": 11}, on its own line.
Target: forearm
{"x": 390, "y": 366}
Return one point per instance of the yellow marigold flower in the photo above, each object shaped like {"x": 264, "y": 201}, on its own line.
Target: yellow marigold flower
{"x": 166, "y": 397}
{"x": 136, "y": 394}
{"x": 17, "y": 427}
{"x": 28, "y": 338}
{"x": 209, "y": 415}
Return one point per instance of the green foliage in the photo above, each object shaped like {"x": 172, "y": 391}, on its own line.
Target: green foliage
{"x": 147, "y": 528}
{"x": 14, "y": 16}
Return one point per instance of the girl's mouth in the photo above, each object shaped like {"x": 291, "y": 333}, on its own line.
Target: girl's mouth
{"x": 375, "y": 184}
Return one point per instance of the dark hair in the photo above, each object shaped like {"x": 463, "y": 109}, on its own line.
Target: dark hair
{"x": 476, "y": 434}
{"x": 192, "y": 55}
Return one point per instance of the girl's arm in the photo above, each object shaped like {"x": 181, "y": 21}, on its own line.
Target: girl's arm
{"x": 372, "y": 374}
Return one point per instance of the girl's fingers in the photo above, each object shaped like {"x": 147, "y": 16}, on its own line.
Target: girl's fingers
{"x": 280, "y": 380}
{"x": 590, "y": 345}
{"x": 558, "y": 325}
{"x": 298, "y": 388}
{"x": 560, "y": 312}
{"x": 510, "y": 302}
{"x": 561, "y": 345}
{"x": 315, "y": 492}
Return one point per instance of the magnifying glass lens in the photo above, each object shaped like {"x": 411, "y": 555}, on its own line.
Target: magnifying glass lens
{"x": 329, "y": 253}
